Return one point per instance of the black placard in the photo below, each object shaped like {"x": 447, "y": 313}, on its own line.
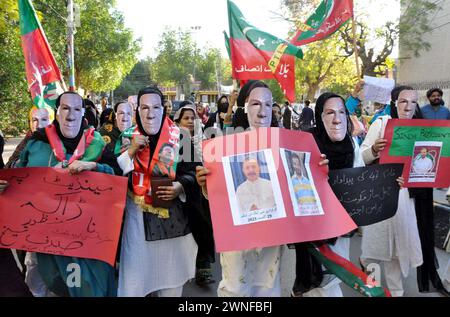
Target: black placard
{"x": 369, "y": 194}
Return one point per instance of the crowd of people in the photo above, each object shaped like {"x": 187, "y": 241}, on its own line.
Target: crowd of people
{"x": 161, "y": 249}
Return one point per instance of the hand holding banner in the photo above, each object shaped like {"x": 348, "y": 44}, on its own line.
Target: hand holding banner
{"x": 274, "y": 191}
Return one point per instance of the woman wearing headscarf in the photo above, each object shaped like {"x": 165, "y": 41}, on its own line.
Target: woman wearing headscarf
{"x": 158, "y": 251}
{"x": 255, "y": 272}
{"x": 199, "y": 216}
{"x": 201, "y": 112}
{"x": 333, "y": 135}
{"x": 38, "y": 118}
{"x": 69, "y": 143}
{"x": 119, "y": 121}
{"x": 276, "y": 109}
{"x": 106, "y": 116}
{"x": 216, "y": 119}
{"x": 91, "y": 113}
{"x": 394, "y": 242}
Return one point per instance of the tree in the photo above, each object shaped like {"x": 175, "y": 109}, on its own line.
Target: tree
{"x": 409, "y": 30}
{"x": 324, "y": 65}
{"x": 277, "y": 93}
{"x": 139, "y": 77}
{"x": 176, "y": 59}
{"x": 415, "y": 22}
{"x": 15, "y": 99}
{"x": 372, "y": 64}
{"x": 180, "y": 62}
{"x": 213, "y": 68}
{"x": 105, "y": 52}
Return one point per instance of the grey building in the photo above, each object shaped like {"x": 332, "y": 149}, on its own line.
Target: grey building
{"x": 432, "y": 68}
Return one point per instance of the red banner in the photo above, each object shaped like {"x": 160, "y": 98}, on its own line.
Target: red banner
{"x": 274, "y": 191}
{"x": 249, "y": 63}
{"x": 424, "y": 148}
{"x": 47, "y": 210}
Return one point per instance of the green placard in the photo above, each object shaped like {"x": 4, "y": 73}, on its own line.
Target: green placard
{"x": 404, "y": 138}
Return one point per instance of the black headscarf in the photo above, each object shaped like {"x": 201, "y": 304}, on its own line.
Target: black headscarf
{"x": 69, "y": 144}
{"x": 340, "y": 154}
{"x": 153, "y": 139}
{"x": 394, "y": 98}
{"x": 107, "y": 116}
{"x": 222, "y": 107}
{"x": 240, "y": 118}
{"x": 91, "y": 113}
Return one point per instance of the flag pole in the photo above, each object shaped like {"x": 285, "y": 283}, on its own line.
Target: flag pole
{"x": 355, "y": 48}
{"x": 70, "y": 45}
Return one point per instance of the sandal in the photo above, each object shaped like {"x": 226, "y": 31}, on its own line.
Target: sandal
{"x": 204, "y": 277}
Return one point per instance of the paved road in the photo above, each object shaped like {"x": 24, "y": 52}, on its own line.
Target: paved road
{"x": 288, "y": 275}
{"x": 288, "y": 260}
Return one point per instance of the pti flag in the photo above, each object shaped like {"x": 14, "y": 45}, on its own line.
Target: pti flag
{"x": 329, "y": 16}
{"x": 259, "y": 55}
{"x": 43, "y": 75}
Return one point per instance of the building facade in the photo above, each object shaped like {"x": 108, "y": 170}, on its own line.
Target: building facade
{"x": 432, "y": 68}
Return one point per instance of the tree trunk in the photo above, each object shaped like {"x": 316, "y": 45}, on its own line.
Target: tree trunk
{"x": 312, "y": 89}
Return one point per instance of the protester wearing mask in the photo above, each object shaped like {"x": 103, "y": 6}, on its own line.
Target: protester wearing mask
{"x": 120, "y": 121}
{"x": 38, "y": 118}
{"x": 394, "y": 242}
{"x": 158, "y": 250}
{"x": 256, "y": 272}
{"x": 64, "y": 144}
{"x": 333, "y": 135}
{"x": 199, "y": 217}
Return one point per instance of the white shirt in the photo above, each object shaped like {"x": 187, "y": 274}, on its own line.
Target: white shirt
{"x": 258, "y": 193}
{"x": 422, "y": 165}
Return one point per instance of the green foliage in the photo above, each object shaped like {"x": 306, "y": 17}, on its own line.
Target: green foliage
{"x": 139, "y": 77}
{"x": 415, "y": 23}
{"x": 15, "y": 100}
{"x": 411, "y": 31}
{"x": 180, "y": 61}
{"x": 176, "y": 60}
{"x": 324, "y": 66}
{"x": 275, "y": 88}
{"x": 105, "y": 52}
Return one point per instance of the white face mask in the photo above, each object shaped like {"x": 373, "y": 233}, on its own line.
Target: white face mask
{"x": 259, "y": 108}
{"x": 406, "y": 104}
{"x": 151, "y": 112}
{"x": 335, "y": 119}
{"x": 39, "y": 119}
{"x": 70, "y": 115}
{"x": 124, "y": 116}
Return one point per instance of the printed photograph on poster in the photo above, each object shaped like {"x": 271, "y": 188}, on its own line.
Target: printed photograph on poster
{"x": 424, "y": 163}
{"x": 253, "y": 188}
{"x": 302, "y": 190}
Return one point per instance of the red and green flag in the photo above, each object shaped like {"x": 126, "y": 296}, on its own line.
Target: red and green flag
{"x": 347, "y": 272}
{"x": 256, "y": 54}
{"x": 329, "y": 16}
{"x": 43, "y": 75}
